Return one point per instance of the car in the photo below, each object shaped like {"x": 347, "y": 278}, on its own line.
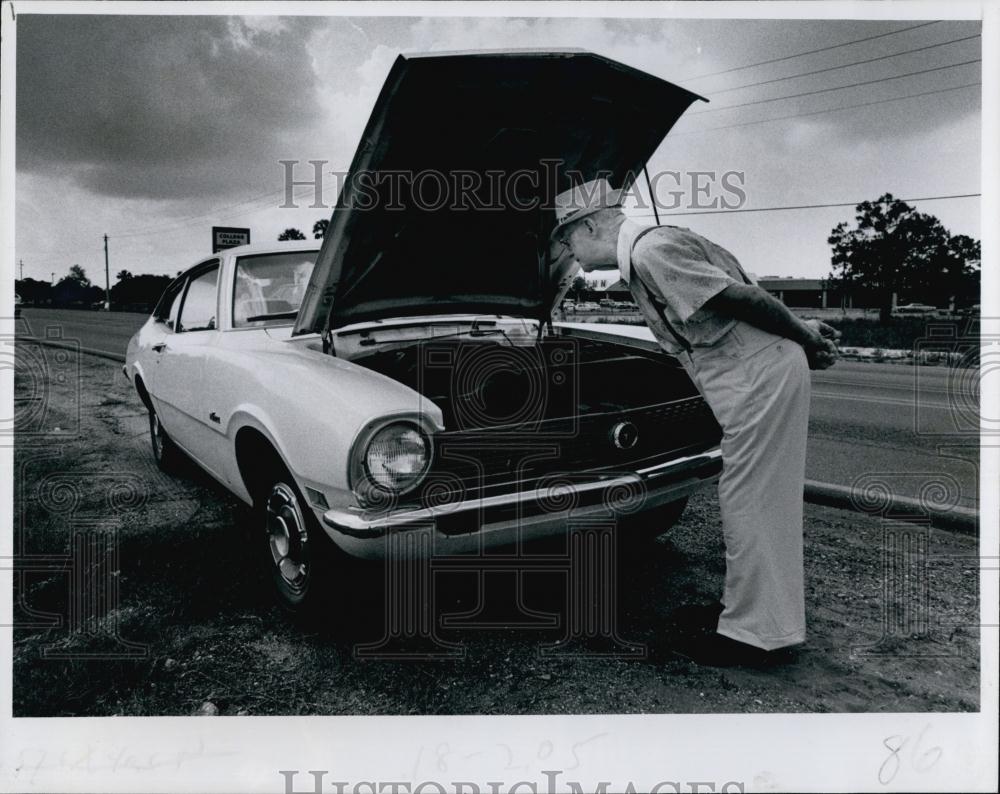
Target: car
{"x": 380, "y": 393}
{"x": 914, "y": 310}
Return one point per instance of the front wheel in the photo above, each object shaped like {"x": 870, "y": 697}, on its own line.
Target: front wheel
{"x": 299, "y": 556}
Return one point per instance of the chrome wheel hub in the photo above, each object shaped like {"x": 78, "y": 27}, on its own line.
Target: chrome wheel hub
{"x": 287, "y": 536}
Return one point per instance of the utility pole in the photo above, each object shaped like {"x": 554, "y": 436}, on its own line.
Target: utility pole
{"x": 21, "y": 263}
{"x": 53, "y": 279}
{"x": 107, "y": 277}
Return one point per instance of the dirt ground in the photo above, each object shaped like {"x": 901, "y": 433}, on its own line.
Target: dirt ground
{"x": 185, "y": 624}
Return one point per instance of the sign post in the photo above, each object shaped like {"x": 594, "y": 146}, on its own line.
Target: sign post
{"x": 228, "y": 237}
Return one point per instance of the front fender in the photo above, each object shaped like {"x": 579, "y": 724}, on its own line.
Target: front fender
{"x": 311, "y": 408}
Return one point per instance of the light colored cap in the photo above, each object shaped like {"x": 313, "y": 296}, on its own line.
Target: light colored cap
{"x": 583, "y": 200}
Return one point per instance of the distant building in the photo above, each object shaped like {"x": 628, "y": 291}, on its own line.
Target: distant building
{"x": 619, "y": 291}
{"x": 599, "y": 290}
{"x": 799, "y": 293}
{"x": 813, "y": 293}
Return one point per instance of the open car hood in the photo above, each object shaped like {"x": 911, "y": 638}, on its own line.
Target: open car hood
{"x": 448, "y": 204}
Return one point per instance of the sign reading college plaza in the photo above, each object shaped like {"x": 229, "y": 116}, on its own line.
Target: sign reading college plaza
{"x": 228, "y": 237}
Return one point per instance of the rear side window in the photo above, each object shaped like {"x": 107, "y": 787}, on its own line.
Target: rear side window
{"x": 200, "y": 300}
{"x": 269, "y": 287}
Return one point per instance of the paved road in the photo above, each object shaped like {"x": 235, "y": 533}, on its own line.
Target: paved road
{"x": 107, "y": 331}
{"x": 909, "y": 427}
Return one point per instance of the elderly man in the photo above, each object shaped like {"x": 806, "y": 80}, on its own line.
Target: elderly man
{"x": 750, "y": 358}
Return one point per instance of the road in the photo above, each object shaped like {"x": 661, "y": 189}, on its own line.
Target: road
{"x": 907, "y": 427}
{"x": 107, "y": 331}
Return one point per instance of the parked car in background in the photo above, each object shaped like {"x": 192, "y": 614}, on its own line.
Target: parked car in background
{"x": 914, "y": 310}
{"x": 378, "y": 386}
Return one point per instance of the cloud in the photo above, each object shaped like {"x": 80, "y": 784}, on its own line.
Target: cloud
{"x": 158, "y": 107}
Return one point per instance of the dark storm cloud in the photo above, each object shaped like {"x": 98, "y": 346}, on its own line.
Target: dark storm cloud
{"x": 159, "y": 107}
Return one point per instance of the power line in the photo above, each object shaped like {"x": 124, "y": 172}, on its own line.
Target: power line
{"x": 250, "y": 200}
{"x": 827, "y": 110}
{"x": 836, "y": 88}
{"x": 801, "y": 206}
{"x": 810, "y": 52}
{"x": 214, "y": 215}
{"x": 846, "y": 65}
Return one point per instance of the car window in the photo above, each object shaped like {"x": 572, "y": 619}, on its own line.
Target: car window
{"x": 198, "y": 311}
{"x": 269, "y": 287}
{"x": 169, "y": 303}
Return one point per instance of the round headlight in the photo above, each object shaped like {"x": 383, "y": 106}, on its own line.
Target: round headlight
{"x": 397, "y": 457}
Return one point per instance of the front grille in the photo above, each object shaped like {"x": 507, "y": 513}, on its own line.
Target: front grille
{"x": 499, "y": 459}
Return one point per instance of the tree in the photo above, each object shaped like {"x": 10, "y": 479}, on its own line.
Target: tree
{"x": 896, "y": 250}
{"x": 123, "y": 275}
{"x": 79, "y": 275}
{"x": 962, "y": 270}
{"x": 578, "y": 287}
{"x": 139, "y": 293}
{"x": 72, "y": 291}
{"x": 319, "y": 228}
{"x": 33, "y": 291}
{"x": 291, "y": 234}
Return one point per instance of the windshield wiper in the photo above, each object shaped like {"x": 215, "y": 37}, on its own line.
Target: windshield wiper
{"x": 275, "y": 316}
{"x": 472, "y": 332}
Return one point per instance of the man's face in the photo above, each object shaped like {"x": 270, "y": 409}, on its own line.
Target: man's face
{"x": 584, "y": 242}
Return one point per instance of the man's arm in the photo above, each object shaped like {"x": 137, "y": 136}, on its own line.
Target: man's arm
{"x": 757, "y": 306}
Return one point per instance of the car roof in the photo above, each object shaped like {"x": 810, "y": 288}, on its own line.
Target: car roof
{"x": 273, "y": 248}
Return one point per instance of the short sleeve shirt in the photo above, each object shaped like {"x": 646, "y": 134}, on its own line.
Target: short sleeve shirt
{"x": 682, "y": 270}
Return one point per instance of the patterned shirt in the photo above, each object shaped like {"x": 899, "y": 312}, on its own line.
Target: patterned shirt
{"x": 683, "y": 271}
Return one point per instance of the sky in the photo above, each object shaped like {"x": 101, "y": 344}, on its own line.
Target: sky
{"x": 151, "y": 129}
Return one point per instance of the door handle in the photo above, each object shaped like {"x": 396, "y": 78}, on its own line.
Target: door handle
{"x": 159, "y": 347}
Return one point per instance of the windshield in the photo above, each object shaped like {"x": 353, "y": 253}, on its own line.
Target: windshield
{"x": 269, "y": 287}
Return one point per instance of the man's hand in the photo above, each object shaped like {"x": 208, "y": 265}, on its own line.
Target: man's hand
{"x": 826, "y": 331}
{"x": 821, "y": 347}
{"x": 821, "y": 353}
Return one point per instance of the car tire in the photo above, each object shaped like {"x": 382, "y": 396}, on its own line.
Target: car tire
{"x": 645, "y": 527}
{"x": 301, "y": 560}
{"x": 166, "y": 453}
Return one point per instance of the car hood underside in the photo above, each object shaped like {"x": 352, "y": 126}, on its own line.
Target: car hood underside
{"x": 448, "y": 204}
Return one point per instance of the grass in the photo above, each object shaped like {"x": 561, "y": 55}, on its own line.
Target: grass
{"x": 900, "y": 334}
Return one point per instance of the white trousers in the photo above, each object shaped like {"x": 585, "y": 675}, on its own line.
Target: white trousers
{"x": 757, "y": 385}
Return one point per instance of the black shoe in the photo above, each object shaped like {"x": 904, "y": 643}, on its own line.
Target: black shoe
{"x": 717, "y": 650}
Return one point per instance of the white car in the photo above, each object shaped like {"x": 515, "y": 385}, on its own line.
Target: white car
{"x": 914, "y": 310}
{"x": 403, "y": 376}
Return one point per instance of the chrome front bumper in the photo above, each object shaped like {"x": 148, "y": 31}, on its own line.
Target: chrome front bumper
{"x": 523, "y": 515}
